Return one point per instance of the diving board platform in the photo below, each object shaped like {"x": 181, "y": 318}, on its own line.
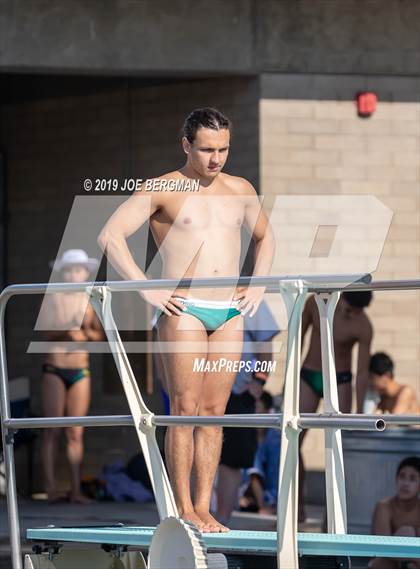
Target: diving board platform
{"x": 243, "y": 542}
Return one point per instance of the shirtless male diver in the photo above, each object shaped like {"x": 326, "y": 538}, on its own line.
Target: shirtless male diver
{"x": 351, "y": 326}
{"x": 198, "y": 235}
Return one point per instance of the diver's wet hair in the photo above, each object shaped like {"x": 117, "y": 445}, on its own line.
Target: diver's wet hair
{"x": 206, "y": 117}
{"x": 381, "y": 363}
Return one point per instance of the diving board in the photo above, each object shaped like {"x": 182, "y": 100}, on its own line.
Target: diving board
{"x": 244, "y": 542}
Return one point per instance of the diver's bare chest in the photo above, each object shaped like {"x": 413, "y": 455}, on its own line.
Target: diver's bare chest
{"x": 345, "y": 334}
{"x": 204, "y": 211}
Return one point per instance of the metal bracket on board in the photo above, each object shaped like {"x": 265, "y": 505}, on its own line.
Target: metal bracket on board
{"x": 94, "y": 559}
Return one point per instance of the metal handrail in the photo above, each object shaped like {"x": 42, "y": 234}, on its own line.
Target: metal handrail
{"x": 307, "y": 420}
{"x": 313, "y": 283}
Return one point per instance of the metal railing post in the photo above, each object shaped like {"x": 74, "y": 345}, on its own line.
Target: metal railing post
{"x": 288, "y": 485}
{"x": 8, "y": 451}
{"x": 334, "y": 461}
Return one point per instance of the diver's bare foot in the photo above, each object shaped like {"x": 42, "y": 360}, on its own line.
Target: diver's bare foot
{"x": 191, "y": 516}
{"x": 211, "y": 522}
{"x": 79, "y": 499}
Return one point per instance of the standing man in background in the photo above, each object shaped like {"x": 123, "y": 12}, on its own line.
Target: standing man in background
{"x": 351, "y": 326}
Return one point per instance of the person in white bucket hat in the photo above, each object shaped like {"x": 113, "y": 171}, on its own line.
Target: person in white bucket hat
{"x": 66, "y": 389}
{"x": 73, "y": 257}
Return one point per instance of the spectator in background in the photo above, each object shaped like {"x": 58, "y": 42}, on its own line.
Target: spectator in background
{"x": 264, "y": 475}
{"x": 351, "y": 326}
{"x": 239, "y": 445}
{"x": 395, "y": 397}
{"x": 400, "y": 514}
{"x": 66, "y": 375}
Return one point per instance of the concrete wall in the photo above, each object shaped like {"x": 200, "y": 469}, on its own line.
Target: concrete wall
{"x": 241, "y": 36}
{"x": 313, "y": 143}
{"x": 51, "y": 145}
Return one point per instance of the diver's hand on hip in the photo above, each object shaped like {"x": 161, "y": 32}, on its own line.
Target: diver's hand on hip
{"x": 251, "y": 300}
{"x": 163, "y": 300}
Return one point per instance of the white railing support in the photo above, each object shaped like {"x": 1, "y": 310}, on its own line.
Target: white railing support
{"x": 334, "y": 461}
{"x": 287, "y": 501}
{"x": 101, "y": 302}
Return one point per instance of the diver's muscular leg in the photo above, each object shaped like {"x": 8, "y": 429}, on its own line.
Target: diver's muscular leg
{"x": 214, "y": 397}
{"x": 184, "y": 387}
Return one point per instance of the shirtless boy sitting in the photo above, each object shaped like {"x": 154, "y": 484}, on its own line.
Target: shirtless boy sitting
{"x": 400, "y": 514}
{"x": 395, "y": 397}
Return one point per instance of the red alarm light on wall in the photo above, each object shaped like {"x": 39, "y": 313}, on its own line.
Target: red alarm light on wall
{"x": 366, "y": 103}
